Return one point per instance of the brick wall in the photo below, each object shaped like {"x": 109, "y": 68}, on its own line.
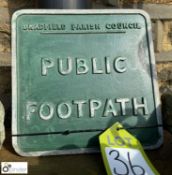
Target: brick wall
{"x": 167, "y": 36}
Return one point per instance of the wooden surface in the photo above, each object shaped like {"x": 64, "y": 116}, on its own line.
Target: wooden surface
{"x": 84, "y": 164}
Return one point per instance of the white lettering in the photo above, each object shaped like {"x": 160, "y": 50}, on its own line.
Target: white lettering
{"x": 46, "y": 64}
{"x": 109, "y": 108}
{"x": 68, "y": 67}
{"x": 107, "y": 65}
{"x": 94, "y": 105}
{"x": 46, "y": 111}
{"x": 64, "y": 110}
{"x": 123, "y": 102}
{"x": 118, "y": 64}
{"x": 95, "y": 69}
{"x": 31, "y": 107}
{"x": 142, "y": 105}
{"x": 79, "y": 104}
{"x": 81, "y": 66}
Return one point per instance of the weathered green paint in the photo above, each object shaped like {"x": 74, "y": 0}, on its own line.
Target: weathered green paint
{"x": 80, "y": 72}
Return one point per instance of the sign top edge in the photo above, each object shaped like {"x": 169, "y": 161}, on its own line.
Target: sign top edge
{"x": 74, "y": 11}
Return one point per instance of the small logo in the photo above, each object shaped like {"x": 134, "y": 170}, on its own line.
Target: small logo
{"x": 14, "y": 168}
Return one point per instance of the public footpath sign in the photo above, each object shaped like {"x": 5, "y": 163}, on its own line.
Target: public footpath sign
{"x": 75, "y": 73}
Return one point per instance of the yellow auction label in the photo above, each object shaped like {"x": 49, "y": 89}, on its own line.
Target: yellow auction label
{"x": 123, "y": 153}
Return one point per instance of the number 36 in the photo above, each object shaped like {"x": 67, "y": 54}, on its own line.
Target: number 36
{"x": 128, "y": 168}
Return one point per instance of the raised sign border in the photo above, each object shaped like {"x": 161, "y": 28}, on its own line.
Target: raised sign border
{"x": 14, "y": 77}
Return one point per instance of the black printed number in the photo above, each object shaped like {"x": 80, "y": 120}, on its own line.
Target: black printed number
{"x": 140, "y": 170}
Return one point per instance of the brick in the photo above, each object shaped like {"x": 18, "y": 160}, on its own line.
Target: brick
{"x": 3, "y": 3}
{"x": 5, "y": 59}
{"x": 164, "y": 71}
{"x": 121, "y": 3}
{"x": 167, "y": 40}
{"x": 4, "y": 20}
{"x": 5, "y": 40}
{"x": 158, "y": 35}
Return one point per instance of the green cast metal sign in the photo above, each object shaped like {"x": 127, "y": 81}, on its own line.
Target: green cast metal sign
{"x": 75, "y": 73}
